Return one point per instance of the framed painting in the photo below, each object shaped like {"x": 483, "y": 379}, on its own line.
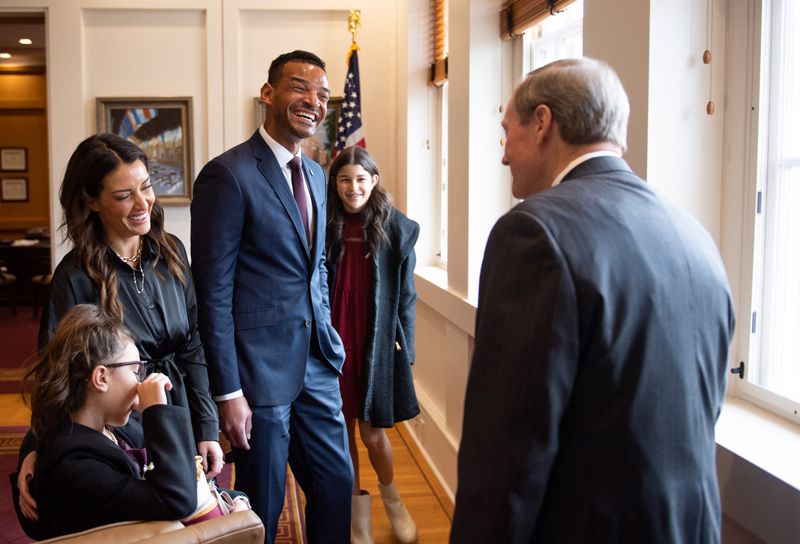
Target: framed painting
{"x": 319, "y": 147}
{"x": 162, "y": 128}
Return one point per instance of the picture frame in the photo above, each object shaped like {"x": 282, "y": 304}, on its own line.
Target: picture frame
{"x": 162, "y": 128}
{"x": 14, "y": 190}
{"x": 319, "y": 147}
{"x": 14, "y": 159}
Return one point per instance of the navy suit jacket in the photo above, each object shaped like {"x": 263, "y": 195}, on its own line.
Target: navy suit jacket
{"x": 599, "y": 370}
{"x": 260, "y": 291}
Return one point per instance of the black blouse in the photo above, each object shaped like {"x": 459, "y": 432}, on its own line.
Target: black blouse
{"x": 162, "y": 319}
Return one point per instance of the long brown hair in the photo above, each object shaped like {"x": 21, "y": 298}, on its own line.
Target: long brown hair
{"x": 94, "y": 159}
{"x": 86, "y": 337}
{"x": 375, "y": 215}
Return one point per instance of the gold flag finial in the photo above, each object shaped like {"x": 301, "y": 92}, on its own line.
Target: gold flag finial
{"x": 354, "y": 21}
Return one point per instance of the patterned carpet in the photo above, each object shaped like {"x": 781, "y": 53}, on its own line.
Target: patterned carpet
{"x": 18, "y": 336}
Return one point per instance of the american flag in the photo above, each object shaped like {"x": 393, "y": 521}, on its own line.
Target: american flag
{"x": 349, "y": 130}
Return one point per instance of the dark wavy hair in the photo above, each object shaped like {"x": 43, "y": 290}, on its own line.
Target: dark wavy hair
{"x": 375, "y": 215}
{"x": 86, "y": 337}
{"x": 94, "y": 159}
{"x": 276, "y": 67}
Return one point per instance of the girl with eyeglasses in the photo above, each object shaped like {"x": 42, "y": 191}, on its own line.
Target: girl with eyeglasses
{"x": 95, "y": 463}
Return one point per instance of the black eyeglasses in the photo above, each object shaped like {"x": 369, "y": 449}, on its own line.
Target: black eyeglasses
{"x": 141, "y": 374}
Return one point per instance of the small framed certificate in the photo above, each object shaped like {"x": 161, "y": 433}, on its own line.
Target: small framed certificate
{"x": 14, "y": 189}
{"x": 13, "y": 159}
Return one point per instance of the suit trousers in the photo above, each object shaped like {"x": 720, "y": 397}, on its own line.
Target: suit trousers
{"x": 310, "y": 433}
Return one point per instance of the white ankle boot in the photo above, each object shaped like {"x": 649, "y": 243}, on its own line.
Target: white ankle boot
{"x": 362, "y": 519}
{"x": 404, "y": 528}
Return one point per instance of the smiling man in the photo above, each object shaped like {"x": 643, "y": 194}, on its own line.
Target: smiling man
{"x": 258, "y": 253}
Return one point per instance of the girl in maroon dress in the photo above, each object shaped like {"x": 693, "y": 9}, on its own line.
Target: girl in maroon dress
{"x": 370, "y": 250}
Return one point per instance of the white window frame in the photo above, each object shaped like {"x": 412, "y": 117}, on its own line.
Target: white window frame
{"x": 759, "y": 132}
{"x": 442, "y": 104}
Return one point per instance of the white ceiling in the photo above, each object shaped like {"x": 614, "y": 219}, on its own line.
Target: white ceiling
{"x": 13, "y": 27}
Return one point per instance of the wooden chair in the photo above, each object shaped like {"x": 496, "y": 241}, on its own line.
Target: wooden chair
{"x": 8, "y": 284}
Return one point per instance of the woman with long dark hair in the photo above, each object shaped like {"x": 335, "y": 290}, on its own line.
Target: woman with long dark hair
{"x": 124, "y": 262}
{"x": 370, "y": 250}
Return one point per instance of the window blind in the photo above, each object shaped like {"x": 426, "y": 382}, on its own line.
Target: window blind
{"x": 440, "y": 43}
{"x": 519, "y": 15}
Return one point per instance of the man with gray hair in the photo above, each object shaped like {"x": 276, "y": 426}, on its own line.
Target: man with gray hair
{"x": 601, "y": 341}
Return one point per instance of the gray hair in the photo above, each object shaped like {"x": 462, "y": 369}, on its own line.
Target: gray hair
{"x": 585, "y": 96}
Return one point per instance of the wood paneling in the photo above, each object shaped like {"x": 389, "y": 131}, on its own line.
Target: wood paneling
{"x": 23, "y": 123}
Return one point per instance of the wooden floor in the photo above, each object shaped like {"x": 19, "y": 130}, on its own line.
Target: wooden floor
{"x": 13, "y": 411}
{"x": 424, "y": 497}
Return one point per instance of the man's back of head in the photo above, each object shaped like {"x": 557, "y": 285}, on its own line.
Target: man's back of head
{"x": 585, "y": 96}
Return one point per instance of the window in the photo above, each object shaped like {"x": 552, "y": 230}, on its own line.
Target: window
{"x": 773, "y": 375}
{"x": 558, "y": 37}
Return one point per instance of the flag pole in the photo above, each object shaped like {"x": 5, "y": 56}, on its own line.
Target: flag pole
{"x": 353, "y": 21}
{"x": 349, "y": 130}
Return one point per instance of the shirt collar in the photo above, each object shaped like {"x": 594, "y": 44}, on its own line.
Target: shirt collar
{"x": 583, "y": 158}
{"x": 282, "y": 155}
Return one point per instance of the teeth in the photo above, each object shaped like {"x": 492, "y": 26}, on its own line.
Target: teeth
{"x": 305, "y": 115}
{"x": 140, "y": 217}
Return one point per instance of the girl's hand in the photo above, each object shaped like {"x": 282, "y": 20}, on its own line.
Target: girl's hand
{"x": 153, "y": 390}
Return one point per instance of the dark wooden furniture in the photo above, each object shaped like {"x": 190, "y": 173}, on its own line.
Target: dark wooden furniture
{"x": 25, "y": 262}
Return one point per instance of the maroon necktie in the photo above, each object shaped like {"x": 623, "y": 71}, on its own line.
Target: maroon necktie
{"x": 300, "y": 193}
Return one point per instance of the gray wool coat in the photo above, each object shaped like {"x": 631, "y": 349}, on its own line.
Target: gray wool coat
{"x": 387, "y": 383}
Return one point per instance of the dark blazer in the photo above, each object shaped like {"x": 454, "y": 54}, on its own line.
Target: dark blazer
{"x": 162, "y": 319}
{"x": 599, "y": 370}
{"x": 84, "y": 480}
{"x": 259, "y": 289}
{"x": 387, "y": 383}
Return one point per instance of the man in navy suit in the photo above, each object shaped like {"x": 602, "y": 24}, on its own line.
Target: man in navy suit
{"x": 601, "y": 340}
{"x": 258, "y": 254}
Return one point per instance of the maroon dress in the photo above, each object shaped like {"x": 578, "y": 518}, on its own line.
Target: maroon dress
{"x": 349, "y": 312}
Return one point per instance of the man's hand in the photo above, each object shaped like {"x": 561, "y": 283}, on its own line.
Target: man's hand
{"x": 211, "y": 451}
{"x": 26, "y": 502}
{"x": 235, "y": 418}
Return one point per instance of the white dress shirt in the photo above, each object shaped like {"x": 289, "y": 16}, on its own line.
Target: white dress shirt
{"x": 283, "y": 156}
{"x": 576, "y": 162}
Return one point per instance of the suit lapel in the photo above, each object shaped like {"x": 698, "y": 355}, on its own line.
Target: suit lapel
{"x": 271, "y": 170}
{"x": 317, "y": 192}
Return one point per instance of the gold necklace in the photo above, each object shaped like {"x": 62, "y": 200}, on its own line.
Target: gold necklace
{"x": 135, "y": 257}
{"x": 110, "y": 435}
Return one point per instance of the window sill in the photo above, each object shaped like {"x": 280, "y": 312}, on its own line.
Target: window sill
{"x": 760, "y": 437}
{"x": 431, "y": 284}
